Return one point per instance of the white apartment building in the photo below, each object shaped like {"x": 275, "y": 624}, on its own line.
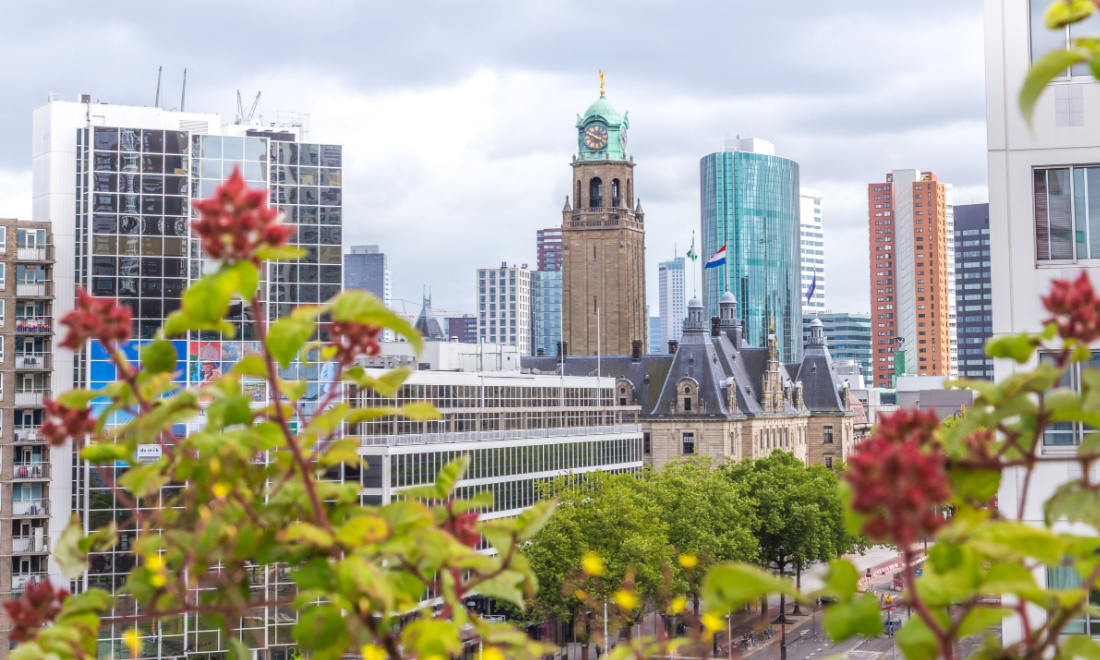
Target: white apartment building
{"x": 504, "y": 306}
{"x": 1041, "y": 198}
{"x": 673, "y": 303}
{"x": 812, "y": 247}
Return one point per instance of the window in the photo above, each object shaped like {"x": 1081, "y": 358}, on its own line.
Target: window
{"x": 1043, "y": 40}
{"x": 687, "y": 404}
{"x": 1066, "y": 578}
{"x": 646, "y": 446}
{"x": 829, "y": 462}
{"x": 4, "y": 237}
{"x": 1067, "y": 213}
{"x": 689, "y": 443}
{"x": 828, "y": 435}
{"x": 1065, "y": 434}
{"x": 595, "y": 193}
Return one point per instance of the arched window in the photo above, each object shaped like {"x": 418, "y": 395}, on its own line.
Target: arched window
{"x": 577, "y": 196}
{"x": 629, "y": 195}
{"x": 595, "y": 193}
{"x": 615, "y": 193}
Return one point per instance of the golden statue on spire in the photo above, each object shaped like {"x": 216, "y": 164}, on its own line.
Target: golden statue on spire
{"x": 601, "y": 82}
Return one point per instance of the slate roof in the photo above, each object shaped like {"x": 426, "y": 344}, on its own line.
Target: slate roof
{"x": 711, "y": 361}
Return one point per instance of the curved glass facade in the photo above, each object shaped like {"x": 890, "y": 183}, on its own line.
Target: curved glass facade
{"x": 750, "y": 203}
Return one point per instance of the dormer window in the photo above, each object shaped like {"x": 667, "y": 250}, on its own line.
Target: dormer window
{"x": 687, "y": 404}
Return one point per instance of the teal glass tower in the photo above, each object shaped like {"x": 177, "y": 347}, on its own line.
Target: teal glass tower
{"x": 749, "y": 203}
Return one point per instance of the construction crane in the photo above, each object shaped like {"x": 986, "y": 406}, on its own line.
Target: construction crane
{"x": 241, "y": 116}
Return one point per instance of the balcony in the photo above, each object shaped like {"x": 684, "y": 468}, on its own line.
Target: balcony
{"x": 34, "y": 289}
{"x": 30, "y": 509}
{"x": 30, "y": 471}
{"x": 19, "y": 581}
{"x": 40, "y": 253}
{"x": 28, "y": 435}
{"x": 29, "y": 545}
{"x": 30, "y": 397}
{"x": 33, "y": 325}
{"x": 33, "y": 361}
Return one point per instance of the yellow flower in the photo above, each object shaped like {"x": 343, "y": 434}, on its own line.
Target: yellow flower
{"x": 626, "y": 600}
{"x": 579, "y": 594}
{"x": 689, "y": 561}
{"x": 158, "y": 580}
{"x": 154, "y": 562}
{"x": 221, "y": 489}
{"x": 492, "y": 653}
{"x": 215, "y": 466}
{"x": 372, "y": 652}
{"x": 131, "y": 639}
{"x": 713, "y": 623}
{"x": 678, "y": 605}
{"x": 592, "y": 564}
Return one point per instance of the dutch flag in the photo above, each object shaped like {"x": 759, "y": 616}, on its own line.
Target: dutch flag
{"x": 719, "y": 259}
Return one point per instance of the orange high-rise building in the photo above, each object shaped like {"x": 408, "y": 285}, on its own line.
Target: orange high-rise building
{"x": 912, "y": 276}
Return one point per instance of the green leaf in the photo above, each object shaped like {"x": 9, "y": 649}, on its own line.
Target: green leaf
{"x": 1049, "y": 67}
{"x": 532, "y": 520}
{"x": 308, "y": 533}
{"x": 387, "y": 384}
{"x": 358, "y": 306}
{"x": 1014, "y": 347}
{"x": 247, "y": 279}
{"x": 78, "y": 398}
{"x": 1080, "y": 646}
{"x": 842, "y": 581}
{"x": 251, "y": 365}
{"x": 1064, "y": 12}
{"x": 158, "y": 357}
{"x": 363, "y": 530}
{"x": 101, "y": 453}
{"x": 287, "y": 335}
{"x": 1074, "y": 502}
{"x": 432, "y": 637}
{"x": 861, "y": 616}
{"x": 916, "y": 641}
{"x": 322, "y": 629}
{"x": 729, "y": 586}
{"x": 507, "y": 586}
{"x": 285, "y": 253}
{"x": 144, "y": 480}
{"x": 419, "y": 411}
{"x": 67, "y": 552}
{"x": 341, "y": 451}
{"x": 975, "y": 484}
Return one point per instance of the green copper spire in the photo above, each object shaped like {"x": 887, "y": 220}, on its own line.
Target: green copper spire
{"x": 601, "y": 132}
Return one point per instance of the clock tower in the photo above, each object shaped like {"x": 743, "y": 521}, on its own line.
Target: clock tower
{"x": 603, "y": 237}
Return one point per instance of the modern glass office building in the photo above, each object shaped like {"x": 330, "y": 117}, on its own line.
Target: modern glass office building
{"x": 124, "y": 220}
{"x": 546, "y": 310}
{"x": 973, "y": 290}
{"x": 848, "y": 336}
{"x": 750, "y": 205}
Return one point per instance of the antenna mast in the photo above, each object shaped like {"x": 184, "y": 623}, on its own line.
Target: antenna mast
{"x": 183, "y": 96}
{"x": 156, "y": 102}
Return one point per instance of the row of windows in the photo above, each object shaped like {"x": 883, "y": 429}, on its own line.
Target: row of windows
{"x": 491, "y": 396}
{"x": 421, "y": 468}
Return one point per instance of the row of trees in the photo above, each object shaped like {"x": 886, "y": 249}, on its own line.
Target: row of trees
{"x": 658, "y": 534}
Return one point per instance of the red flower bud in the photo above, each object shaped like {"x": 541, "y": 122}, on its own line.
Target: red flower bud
{"x": 898, "y": 477}
{"x": 354, "y": 339}
{"x": 63, "y": 424}
{"x": 464, "y": 528}
{"x": 38, "y": 606}
{"x": 236, "y": 221}
{"x": 1075, "y": 309}
{"x": 96, "y": 318}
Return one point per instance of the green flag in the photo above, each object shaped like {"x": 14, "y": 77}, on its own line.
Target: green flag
{"x": 691, "y": 253}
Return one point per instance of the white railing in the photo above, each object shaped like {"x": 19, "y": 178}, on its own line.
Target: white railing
{"x": 30, "y": 508}
{"x": 28, "y": 435}
{"x": 42, "y": 253}
{"x": 20, "y": 581}
{"x": 34, "y": 324}
{"x": 490, "y": 436}
{"x": 34, "y": 289}
{"x": 30, "y": 397}
{"x": 37, "y": 470}
{"x": 21, "y": 545}
{"x": 33, "y": 360}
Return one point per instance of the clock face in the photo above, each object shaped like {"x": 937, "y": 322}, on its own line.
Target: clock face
{"x": 595, "y": 137}
{"x": 622, "y": 137}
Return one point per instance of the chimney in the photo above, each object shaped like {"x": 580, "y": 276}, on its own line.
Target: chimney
{"x": 541, "y": 352}
{"x": 636, "y": 350}
{"x": 714, "y": 326}
{"x": 563, "y": 348}
{"x": 672, "y": 344}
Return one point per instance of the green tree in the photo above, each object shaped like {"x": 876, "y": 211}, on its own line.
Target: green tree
{"x": 710, "y": 518}
{"x": 799, "y": 511}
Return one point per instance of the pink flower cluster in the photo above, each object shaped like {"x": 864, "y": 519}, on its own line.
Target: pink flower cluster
{"x": 354, "y": 339}
{"x": 1075, "y": 309}
{"x": 63, "y": 424}
{"x": 95, "y": 318}
{"x": 236, "y": 221}
{"x": 899, "y": 477}
{"x": 38, "y": 606}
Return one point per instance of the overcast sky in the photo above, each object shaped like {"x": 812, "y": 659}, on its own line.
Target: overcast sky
{"x": 458, "y": 117}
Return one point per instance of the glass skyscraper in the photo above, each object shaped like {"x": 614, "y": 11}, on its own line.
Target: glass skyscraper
{"x": 546, "y": 310}
{"x": 750, "y": 205}
{"x": 123, "y": 227}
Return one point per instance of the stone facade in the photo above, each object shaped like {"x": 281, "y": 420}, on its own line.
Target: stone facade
{"x": 717, "y": 397}
{"x": 603, "y": 242}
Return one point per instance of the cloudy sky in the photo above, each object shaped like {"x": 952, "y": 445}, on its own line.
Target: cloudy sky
{"x": 458, "y": 117}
